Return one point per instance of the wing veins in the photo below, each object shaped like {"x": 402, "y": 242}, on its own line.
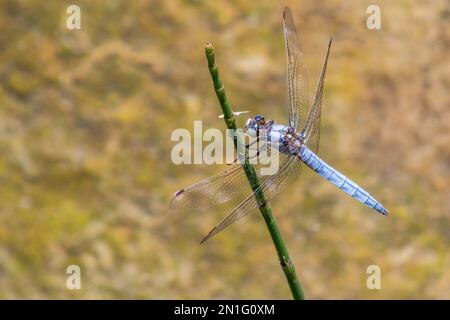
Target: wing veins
{"x": 245, "y": 207}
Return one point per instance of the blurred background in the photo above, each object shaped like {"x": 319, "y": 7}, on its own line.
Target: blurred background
{"x": 85, "y": 123}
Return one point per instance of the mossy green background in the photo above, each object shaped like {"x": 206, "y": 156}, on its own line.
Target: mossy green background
{"x": 85, "y": 123}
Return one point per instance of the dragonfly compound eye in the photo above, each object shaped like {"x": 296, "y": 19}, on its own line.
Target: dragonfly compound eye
{"x": 259, "y": 119}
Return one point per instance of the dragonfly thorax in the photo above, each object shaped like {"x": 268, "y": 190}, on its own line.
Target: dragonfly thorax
{"x": 282, "y": 138}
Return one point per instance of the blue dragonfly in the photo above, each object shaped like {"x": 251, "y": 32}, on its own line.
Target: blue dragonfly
{"x": 297, "y": 147}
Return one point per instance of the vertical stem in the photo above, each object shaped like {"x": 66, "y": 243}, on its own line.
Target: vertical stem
{"x": 264, "y": 207}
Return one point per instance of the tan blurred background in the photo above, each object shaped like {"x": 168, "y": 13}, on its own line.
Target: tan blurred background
{"x": 85, "y": 123}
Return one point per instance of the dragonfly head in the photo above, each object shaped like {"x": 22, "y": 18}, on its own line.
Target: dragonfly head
{"x": 252, "y": 124}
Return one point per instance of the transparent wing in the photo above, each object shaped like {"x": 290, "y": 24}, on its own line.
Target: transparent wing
{"x": 224, "y": 186}
{"x": 271, "y": 187}
{"x": 297, "y": 77}
{"x": 312, "y": 128}
{"x": 219, "y": 188}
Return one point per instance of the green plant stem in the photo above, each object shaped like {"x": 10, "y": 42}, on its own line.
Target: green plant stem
{"x": 264, "y": 206}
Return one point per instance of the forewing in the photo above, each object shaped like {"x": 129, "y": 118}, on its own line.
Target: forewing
{"x": 297, "y": 77}
{"x": 219, "y": 188}
{"x": 271, "y": 187}
{"x": 312, "y": 128}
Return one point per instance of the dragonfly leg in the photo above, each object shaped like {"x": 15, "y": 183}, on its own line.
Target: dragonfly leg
{"x": 247, "y": 147}
{"x": 259, "y": 154}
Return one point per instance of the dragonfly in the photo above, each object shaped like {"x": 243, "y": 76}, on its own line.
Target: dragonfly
{"x": 298, "y": 142}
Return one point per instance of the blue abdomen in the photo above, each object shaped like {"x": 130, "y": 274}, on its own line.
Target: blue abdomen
{"x": 338, "y": 179}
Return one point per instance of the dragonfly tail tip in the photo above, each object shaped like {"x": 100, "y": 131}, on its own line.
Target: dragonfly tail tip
{"x": 384, "y": 212}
